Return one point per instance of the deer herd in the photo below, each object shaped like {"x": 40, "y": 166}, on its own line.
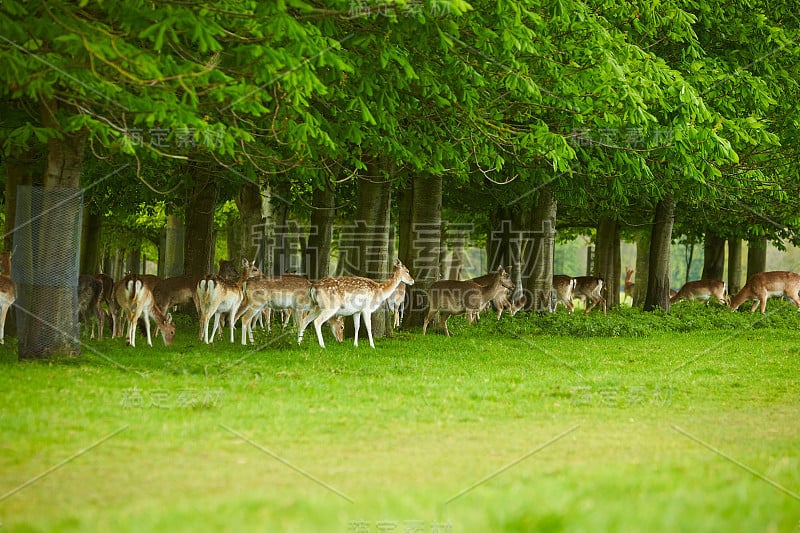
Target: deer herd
{"x": 249, "y": 297}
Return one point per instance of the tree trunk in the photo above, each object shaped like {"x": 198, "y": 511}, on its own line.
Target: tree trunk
{"x": 318, "y": 256}
{"x": 658, "y": 276}
{"x": 233, "y": 234}
{"x": 50, "y": 292}
{"x": 539, "y": 264}
{"x": 174, "y": 241}
{"x": 248, "y": 201}
{"x": 372, "y": 213}
{"x": 756, "y": 256}
{"x": 21, "y": 168}
{"x": 279, "y": 208}
{"x": 424, "y": 230}
{"x": 90, "y": 242}
{"x": 713, "y": 257}
{"x": 642, "y": 267}
{"x": 607, "y": 263}
{"x": 198, "y": 254}
{"x": 734, "y": 265}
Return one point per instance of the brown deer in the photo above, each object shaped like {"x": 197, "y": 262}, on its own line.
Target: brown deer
{"x": 765, "y": 284}
{"x": 290, "y": 292}
{"x": 629, "y": 285}
{"x": 8, "y": 294}
{"x": 703, "y": 289}
{"x": 563, "y": 292}
{"x": 351, "y": 295}
{"x": 177, "y": 290}
{"x": 396, "y": 302}
{"x": 591, "y": 288}
{"x": 134, "y": 294}
{"x": 450, "y": 297}
{"x": 90, "y": 297}
{"x": 217, "y": 295}
{"x": 502, "y": 301}
{"x": 111, "y": 303}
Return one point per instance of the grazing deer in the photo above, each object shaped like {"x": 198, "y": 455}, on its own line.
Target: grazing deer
{"x": 591, "y": 288}
{"x": 8, "y": 294}
{"x": 291, "y": 292}
{"x": 351, "y": 295}
{"x": 90, "y": 296}
{"x": 703, "y": 289}
{"x": 563, "y": 292}
{"x": 629, "y": 285}
{"x": 450, "y": 297}
{"x": 765, "y": 284}
{"x": 501, "y": 301}
{"x": 134, "y": 294}
{"x": 217, "y": 295}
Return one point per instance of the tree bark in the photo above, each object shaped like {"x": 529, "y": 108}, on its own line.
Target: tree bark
{"x": 90, "y": 242}
{"x": 658, "y": 276}
{"x": 50, "y": 294}
{"x": 248, "y": 201}
{"x": 198, "y": 253}
{"x": 607, "y": 263}
{"x": 713, "y": 257}
{"x": 642, "y": 267}
{"x": 756, "y": 256}
{"x": 734, "y": 265}
{"x": 20, "y": 170}
{"x": 318, "y": 255}
{"x": 539, "y": 264}
{"x": 174, "y": 246}
{"x": 424, "y": 230}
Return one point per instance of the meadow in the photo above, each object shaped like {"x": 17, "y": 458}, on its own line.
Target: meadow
{"x": 680, "y": 421}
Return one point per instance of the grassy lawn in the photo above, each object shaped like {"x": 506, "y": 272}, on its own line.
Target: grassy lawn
{"x": 504, "y": 427}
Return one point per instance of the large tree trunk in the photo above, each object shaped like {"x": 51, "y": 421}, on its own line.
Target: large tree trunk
{"x": 422, "y": 252}
{"x": 756, "y": 256}
{"x": 642, "y": 267}
{"x": 282, "y": 251}
{"x": 607, "y": 262}
{"x": 318, "y": 255}
{"x": 50, "y": 301}
{"x": 249, "y": 203}
{"x": 658, "y": 277}
{"x": 198, "y": 255}
{"x": 90, "y": 242}
{"x": 372, "y": 214}
{"x": 734, "y": 265}
{"x": 713, "y": 257}
{"x": 539, "y": 268}
{"x": 174, "y": 241}
{"x": 21, "y": 169}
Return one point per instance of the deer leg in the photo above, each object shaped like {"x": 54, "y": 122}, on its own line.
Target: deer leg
{"x": 368, "y": 324}
{"x": 356, "y": 326}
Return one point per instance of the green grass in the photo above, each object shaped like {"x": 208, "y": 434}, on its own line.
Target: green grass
{"x": 554, "y": 423}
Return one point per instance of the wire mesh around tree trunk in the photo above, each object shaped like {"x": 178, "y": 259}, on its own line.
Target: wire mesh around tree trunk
{"x": 45, "y": 265}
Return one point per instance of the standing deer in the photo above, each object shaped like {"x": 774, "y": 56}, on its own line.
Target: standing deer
{"x": 280, "y": 292}
{"x": 351, "y": 295}
{"x": 591, "y": 288}
{"x": 629, "y": 284}
{"x": 8, "y": 294}
{"x": 765, "y": 284}
{"x": 703, "y": 289}
{"x": 90, "y": 296}
{"x": 563, "y": 290}
{"x": 450, "y": 297}
{"x": 177, "y": 290}
{"x": 217, "y": 295}
{"x": 501, "y": 302}
{"x": 111, "y": 302}
{"x": 134, "y": 294}
{"x": 396, "y": 302}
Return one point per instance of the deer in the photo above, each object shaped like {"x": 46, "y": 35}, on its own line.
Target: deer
{"x": 703, "y": 289}
{"x": 591, "y": 288}
{"x": 108, "y": 298}
{"x": 90, "y": 297}
{"x": 562, "y": 292}
{"x": 396, "y": 303}
{"x": 134, "y": 294}
{"x": 177, "y": 290}
{"x": 765, "y": 284}
{"x": 8, "y": 294}
{"x": 450, "y": 297}
{"x": 629, "y": 285}
{"x": 217, "y": 295}
{"x": 280, "y": 292}
{"x": 501, "y": 302}
{"x": 351, "y": 295}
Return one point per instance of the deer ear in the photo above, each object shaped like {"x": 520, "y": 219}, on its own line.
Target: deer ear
{"x": 169, "y": 318}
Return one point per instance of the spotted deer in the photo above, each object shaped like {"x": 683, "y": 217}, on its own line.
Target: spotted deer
{"x": 134, "y": 295}
{"x": 765, "y": 284}
{"x": 703, "y": 289}
{"x": 451, "y": 297}
{"x": 590, "y": 288}
{"x": 8, "y": 294}
{"x": 217, "y": 295}
{"x": 351, "y": 295}
{"x": 562, "y": 292}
